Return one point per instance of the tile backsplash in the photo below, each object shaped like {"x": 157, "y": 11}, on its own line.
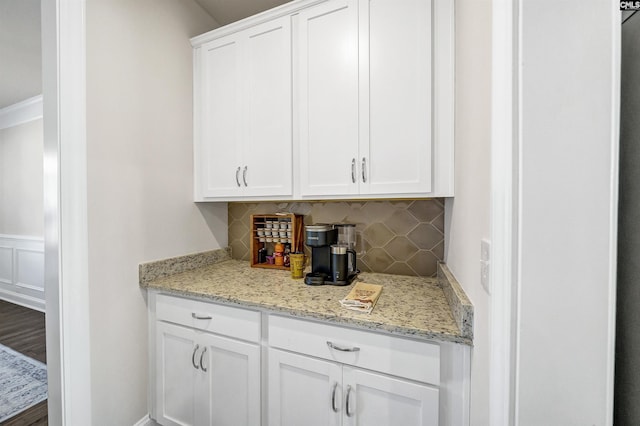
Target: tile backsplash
{"x": 404, "y": 237}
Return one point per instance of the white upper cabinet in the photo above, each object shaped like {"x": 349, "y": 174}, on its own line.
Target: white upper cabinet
{"x": 327, "y": 99}
{"x": 220, "y": 119}
{"x": 327, "y": 43}
{"x": 395, "y": 97}
{"x": 243, "y": 113}
{"x": 383, "y": 146}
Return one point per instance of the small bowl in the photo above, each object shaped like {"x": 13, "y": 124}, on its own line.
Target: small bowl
{"x": 262, "y": 239}
{"x": 269, "y": 239}
{"x": 260, "y": 232}
{"x": 283, "y": 234}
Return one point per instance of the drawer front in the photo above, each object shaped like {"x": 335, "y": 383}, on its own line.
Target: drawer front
{"x": 225, "y": 320}
{"x": 392, "y": 355}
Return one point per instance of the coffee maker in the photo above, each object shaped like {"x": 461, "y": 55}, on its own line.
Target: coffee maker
{"x": 330, "y": 261}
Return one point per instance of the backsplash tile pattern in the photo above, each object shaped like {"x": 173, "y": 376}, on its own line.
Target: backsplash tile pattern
{"x": 404, "y": 237}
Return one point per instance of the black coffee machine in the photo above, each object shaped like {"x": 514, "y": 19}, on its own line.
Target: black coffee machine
{"x": 331, "y": 263}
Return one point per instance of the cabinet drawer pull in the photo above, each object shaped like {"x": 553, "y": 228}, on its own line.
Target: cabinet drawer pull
{"x": 193, "y": 356}
{"x": 200, "y": 317}
{"x": 244, "y": 175}
{"x": 353, "y": 170}
{"x": 333, "y": 397}
{"x": 347, "y": 407}
{"x": 364, "y": 170}
{"x": 341, "y": 349}
{"x": 202, "y": 367}
{"x": 237, "y": 178}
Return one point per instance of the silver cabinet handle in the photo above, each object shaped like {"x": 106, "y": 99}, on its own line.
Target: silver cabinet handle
{"x": 193, "y": 357}
{"x": 238, "y": 179}
{"x": 364, "y": 170}
{"x": 244, "y": 175}
{"x": 333, "y": 398}
{"x": 340, "y": 348}
{"x": 353, "y": 170}
{"x": 202, "y": 367}
{"x": 200, "y": 317}
{"x": 347, "y": 408}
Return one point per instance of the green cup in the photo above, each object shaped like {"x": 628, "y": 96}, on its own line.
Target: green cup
{"x": 297, "y": 263}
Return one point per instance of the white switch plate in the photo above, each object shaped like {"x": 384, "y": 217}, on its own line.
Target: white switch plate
{"x": 485, "y": 265}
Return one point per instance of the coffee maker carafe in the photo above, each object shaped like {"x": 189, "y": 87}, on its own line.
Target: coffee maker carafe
{"x": 329, "y": 260}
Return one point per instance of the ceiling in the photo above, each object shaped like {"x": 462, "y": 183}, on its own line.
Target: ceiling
{"x": 20, "y": 44}
{"x": 228, "y": 11}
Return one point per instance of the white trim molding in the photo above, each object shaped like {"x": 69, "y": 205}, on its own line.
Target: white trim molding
{"x": 22, "y": 271}
{"x": 145, "y": 421}
{"x": 65, "y": 208}
{"x": 21, "y": 112}
{"x": 616, "y": 73}
{"x": 504, "y": 211}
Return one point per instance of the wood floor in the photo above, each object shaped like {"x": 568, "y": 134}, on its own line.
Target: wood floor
{"x": 23, "y": 330}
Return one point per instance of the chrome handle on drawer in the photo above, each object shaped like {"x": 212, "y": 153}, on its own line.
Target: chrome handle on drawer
{"x": 349, "y": 413}
{"x": 333, "y": 398}
{"x": 341, "y": 349}
{"x": 202, "y": 367}
{"x": 193, "y": 356}
{"x": 200, "y": 317}
{"x": 244, "y": 175}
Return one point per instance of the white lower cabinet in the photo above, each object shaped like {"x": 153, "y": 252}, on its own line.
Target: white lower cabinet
{"x": 203, "y": 378}
{"x": 217, "y": 365}
{"x": 313, "y": 392}
{"x": 330, "y": 376}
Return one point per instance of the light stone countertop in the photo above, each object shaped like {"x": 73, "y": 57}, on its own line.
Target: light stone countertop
{"x": 409, "y": 306}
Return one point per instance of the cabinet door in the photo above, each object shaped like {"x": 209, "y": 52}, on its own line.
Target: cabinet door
{"x": 219, "y": 119}
{"x": 176, "y": 375}
{"x": 267, "y": 149}
{"x": 377, "y": 400}
{"x": 328, "y": 98}
{"x": 229, "y": 386}
{"x": 303, "y": 391}
{"x": 395, "y": 102}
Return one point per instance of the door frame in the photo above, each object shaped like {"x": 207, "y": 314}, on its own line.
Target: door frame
{"x": 65, "y": 209}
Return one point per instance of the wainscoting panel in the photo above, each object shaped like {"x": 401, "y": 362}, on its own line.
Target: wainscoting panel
{"x": 6, "y": 262}
{"x": 22, "y": 271}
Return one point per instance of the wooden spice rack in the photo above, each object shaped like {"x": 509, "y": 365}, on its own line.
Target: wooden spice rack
{"x": 294, "y": 235}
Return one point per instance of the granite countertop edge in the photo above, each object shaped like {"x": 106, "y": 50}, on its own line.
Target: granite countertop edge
{"x": 154, "y": 275}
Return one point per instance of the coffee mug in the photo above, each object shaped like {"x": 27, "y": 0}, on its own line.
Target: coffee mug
{"x": 297, "y": 264}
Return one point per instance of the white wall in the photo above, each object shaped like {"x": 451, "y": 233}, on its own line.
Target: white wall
{"x": 21, "y": 193}
{"x": 568, "y": 196}
{"x": 467, "y": 215}
{"x": 139, "y": 167}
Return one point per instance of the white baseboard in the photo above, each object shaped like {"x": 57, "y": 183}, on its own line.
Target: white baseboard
{"x": 22, "y": 271}
{"x": 146, "y": 421}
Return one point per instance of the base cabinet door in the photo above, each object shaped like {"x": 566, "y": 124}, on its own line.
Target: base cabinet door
{"x": 373, "y": 399}
{"x": 303, "y": 391}
{"x": 176, "y": 392}
{"x": 309, "y": 391}
{"x": 204, "y": 379}
{"x": 230, "y": 385}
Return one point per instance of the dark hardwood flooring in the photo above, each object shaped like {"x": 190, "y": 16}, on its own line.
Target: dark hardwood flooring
{"x": 23, "y": 330}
